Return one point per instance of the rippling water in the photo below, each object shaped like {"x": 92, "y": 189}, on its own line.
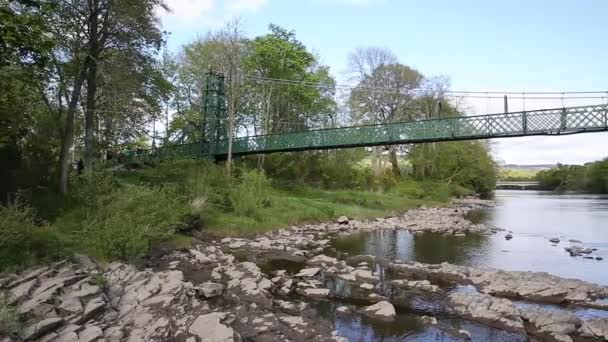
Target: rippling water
{"x": 533, "y": 216}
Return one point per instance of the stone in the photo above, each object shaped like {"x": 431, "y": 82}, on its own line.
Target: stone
{"x": 94, "y": 307}
{"x": 509, "y": 236}
{"x": 424, "y": 285}
{"x": 428, "y": 320}
{"x": 322, "y": 259}
{"x": 314, "y": 293}
{"x": 554, "y": 322}
{"x": 464, "y": 334}
{"x": 308, "y": 272}
{"x": 264, "y": 284}
{"x": 90, "y": 333}
{"x": 71, "y": 305}
{"x": 21, "y": 291}
{"x": 39, "y": 329}
{"x": 483, "y": 308}
{"x": 209, "y": 328}
{"x": 554, "y": 240}
{"x": 366, "y": 286}
{"x": 342, "y": 220}
{"x": 210, "y": 290}
{"x": 343, "y": 310}
{"x": 200, "y": 257}
{"x": 599, "y": 258}
{"x": 382, "y": 310}
{"x": 365, "y": 275}
{"x": 596, "y": 328}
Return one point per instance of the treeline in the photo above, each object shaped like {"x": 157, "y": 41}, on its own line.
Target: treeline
{"x": 591, "y": 177}
{"x": 88, "y": 80}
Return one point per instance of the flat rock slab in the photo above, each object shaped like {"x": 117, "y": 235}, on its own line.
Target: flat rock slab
{"x": 39, "y": 329}
{"x": 308, "y": 272}
{"x": 210, "y": 329}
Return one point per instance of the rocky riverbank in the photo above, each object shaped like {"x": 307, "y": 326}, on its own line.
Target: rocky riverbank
{"x": 267, "y": 287}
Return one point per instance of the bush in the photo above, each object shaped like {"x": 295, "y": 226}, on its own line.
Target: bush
{"x": 22, "y": 243}
{"x": 251, "y": 194}
{"x": 122, "y": 222}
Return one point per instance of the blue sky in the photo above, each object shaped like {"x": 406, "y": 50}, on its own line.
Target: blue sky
{"x": 479, "y": 45}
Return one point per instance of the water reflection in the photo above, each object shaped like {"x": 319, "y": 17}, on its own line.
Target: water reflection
{"x": 533, "y": 216}
{"x": 407, "y": 327}
{"x": 403, "y": 245}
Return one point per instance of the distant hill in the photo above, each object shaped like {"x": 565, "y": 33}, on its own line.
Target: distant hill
{"x": 517, "y": 172}
{"x": 531, "y": 167}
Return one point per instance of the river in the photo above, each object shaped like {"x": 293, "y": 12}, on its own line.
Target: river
{"x": 532, "y": 217}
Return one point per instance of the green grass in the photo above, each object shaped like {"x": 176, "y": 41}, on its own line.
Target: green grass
{"x": 123, "y": 216}
{"x": 9, "y": 317}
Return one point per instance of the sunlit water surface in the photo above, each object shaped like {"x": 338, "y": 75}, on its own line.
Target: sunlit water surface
{"x": 532, "y": 217}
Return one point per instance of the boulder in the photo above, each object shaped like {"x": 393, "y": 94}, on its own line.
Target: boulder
{"x": 596, "y": 328}
{"x": 209, "y": 328}
{"x": 342, "y": 220}
{"x": 367, "y": 286}
{"x": 483, "y": 308}
{"x": 382, "y": 310}
{"x": 210, "y": 290}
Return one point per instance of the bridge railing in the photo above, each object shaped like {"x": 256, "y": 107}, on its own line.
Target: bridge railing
{"x": 535, "y": 122}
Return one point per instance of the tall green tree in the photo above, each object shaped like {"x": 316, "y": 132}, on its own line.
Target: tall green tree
{"x": 384, "y": 93}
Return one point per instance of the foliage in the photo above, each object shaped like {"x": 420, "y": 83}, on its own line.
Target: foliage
{"x": 327, "y": 170}
{"x": 592, "y": 177}
{"x": 465, "y": 163}
{"x": 251, "y": 193}
{"x": 117, "y": 221}
{"x": 517, "y": 174}
{"x": 22, "y": 242}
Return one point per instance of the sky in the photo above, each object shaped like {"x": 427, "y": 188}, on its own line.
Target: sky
{"x": 512, "y": 45}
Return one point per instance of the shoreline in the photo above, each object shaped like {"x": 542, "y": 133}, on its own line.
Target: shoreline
{"x": 268, "y": 287}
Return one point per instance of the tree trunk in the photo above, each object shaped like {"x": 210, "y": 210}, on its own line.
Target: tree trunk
{"x": 89, "y": 120}
{"x": 68, "y": 132}
{"x": 394, "y": 161}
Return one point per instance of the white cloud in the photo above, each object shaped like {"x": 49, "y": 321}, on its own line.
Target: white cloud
{"x": 188, "y": 10}
{"x": 184, "y": 14}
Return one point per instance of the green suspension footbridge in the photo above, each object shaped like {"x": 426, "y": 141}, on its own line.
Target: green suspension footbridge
{"x": 553, "y": 121}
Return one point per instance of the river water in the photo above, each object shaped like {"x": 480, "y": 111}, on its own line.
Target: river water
{"x": 532, "y": 217}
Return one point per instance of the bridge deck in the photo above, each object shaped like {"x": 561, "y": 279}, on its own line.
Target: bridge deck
{"x": 558, "y": 121}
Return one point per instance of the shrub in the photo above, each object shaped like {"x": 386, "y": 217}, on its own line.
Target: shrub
{"x": 22, "y": 243}
{"x": 251, "y": 193}
{"x": 124, "y": 222}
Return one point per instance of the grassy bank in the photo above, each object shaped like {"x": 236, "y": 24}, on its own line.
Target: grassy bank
{"x": 121, "y": 215}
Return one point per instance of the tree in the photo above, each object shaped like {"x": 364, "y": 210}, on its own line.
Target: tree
{"x": 384, "y": 92}
{"x": 24, "y": 55}
{"x": 466, "y": 163}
